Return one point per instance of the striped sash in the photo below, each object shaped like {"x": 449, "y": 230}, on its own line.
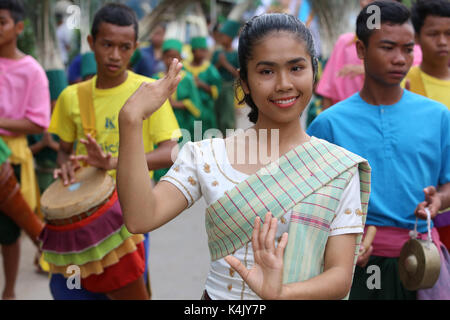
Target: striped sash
{"x": 309, "y": 180}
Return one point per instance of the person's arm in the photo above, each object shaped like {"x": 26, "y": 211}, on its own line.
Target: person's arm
{"x": 326, "y": 86}
{"x": 161, "y": 157}
{"x": 95, "y": 157}
{"x": 444, "y": 194}
{"x": 231, "y": 69}
{"x": 20, "y": 126}
{"x": 335, "y": 281}
{"x": 202, "y": 85}
{"x": 37, "y": 147}
{"x": 351, "y": 70}
{"x": 225, "y": 64}
{"x": 50, "y": 142}
{"x": 46, "y": 141}
{"x": 177, "y": 104}
{"x": 145, "y": 208}
{"x": 435, "y": 200}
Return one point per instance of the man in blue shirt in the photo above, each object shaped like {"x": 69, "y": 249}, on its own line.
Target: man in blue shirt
{"x": 405, "y": 137}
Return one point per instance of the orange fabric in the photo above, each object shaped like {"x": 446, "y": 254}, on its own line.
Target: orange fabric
{"x": 129, "y": 269}
{"x": 98, "y": 267}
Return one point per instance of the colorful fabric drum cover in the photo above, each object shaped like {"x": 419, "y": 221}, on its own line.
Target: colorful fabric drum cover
{"x": 97, "y": 241}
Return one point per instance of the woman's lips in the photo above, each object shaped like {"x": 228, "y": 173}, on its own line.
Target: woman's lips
{"x": 285, "y": 102}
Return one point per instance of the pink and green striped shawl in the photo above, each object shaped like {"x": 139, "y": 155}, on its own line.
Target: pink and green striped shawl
{"x": 309, "y": 180}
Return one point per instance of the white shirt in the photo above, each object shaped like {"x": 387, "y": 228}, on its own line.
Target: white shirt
{"x": 203, "y": 169}
{"x": 64, "y": 37}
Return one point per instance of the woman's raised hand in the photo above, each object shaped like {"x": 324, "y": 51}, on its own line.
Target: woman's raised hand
{"x": 149, "y": 97}
{"x": 265, "y": 278}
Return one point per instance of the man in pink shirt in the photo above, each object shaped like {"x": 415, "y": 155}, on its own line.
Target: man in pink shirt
{"x": 24, "y": 109}
{"x": 343, "y": 74}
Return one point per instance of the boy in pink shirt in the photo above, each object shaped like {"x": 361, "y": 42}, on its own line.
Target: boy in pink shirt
{"x": 24, "y": 109}
{"x": 344, "y": 72}
{"x": 24, "y": 95}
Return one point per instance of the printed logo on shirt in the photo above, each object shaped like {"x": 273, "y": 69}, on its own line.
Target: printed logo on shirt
{"x": 112, "y": 148}
{"x": 109, "y": 123}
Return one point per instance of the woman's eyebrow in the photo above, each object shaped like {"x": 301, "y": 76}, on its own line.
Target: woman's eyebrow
{"x": 296, "y": 60}
{"x": 271, "y": 63}
{"x": 268, "y": 63}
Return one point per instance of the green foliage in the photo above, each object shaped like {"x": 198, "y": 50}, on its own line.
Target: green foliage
{"x": 26, "y": 41}
{"x": 407, "y": 3}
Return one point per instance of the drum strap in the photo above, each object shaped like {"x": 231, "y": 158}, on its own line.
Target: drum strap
{"x": 86, "y": 105}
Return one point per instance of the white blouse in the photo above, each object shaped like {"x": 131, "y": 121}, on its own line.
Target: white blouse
{"x": 202, "y": 169}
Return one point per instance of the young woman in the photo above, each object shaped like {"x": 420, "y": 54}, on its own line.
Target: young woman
{"x": 307, "y": 192}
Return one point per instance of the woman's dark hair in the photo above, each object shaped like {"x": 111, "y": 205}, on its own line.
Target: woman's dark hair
{"x": 15, "y": 7}
{"x": 421, "y": 9}
{"x": 259, "y": 27}
{"x": 117, "y": 14}
{"x": 390, "y": 12}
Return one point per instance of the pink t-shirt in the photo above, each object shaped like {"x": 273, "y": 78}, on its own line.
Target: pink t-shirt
{"x": 24, "y": 92}
{"x": 344, "y": 52}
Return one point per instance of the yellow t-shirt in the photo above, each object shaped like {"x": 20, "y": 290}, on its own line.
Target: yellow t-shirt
{"x": 435, "y": 89}
{"x": 66, "y": 121}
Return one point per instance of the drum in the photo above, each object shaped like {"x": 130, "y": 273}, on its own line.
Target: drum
{"x": 85, "y": 236}
{"x": 13, "y": 204}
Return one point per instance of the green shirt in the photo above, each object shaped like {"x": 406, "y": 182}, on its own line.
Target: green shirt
{"x": 208, "y": 74}
{"x": 46, "y": 157}
{"x": 187, "y": 92}
{"x": 232, "y": 58}
{"x": 4, "y": 152}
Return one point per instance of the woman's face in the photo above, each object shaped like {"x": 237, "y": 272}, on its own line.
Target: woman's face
{"x": 280, "y": 77}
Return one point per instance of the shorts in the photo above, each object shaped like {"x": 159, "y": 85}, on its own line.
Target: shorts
{"x": 9, "y": 231}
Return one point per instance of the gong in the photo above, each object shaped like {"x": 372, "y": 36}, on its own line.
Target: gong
{"x": 419, "y": 262}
